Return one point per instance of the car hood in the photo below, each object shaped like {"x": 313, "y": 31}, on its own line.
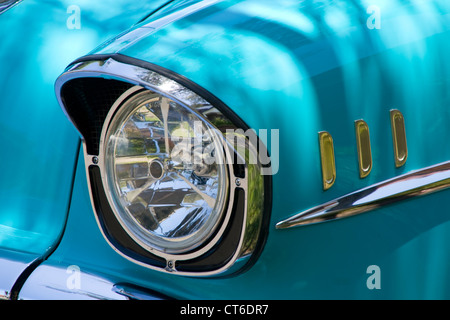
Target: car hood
{"x": 300, "y": 68}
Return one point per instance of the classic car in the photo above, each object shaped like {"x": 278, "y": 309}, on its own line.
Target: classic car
{"x": 215, "y": 150}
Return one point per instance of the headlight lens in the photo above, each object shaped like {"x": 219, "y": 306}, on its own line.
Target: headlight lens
{"x": 166, "y": 172}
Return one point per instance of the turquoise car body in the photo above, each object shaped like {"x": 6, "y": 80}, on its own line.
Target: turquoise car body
{"x": 292, "y": 67}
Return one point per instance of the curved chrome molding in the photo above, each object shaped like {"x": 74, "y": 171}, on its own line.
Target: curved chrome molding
{"x": 132, "y": 36}
{"x": 61, "y": 282}
{"x": 413, "y": 184}
{"x": 7, "y": 4}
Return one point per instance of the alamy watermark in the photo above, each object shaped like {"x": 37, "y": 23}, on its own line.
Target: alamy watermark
{"x": 73, "y": 281}
{"x": 247, "y": 147}
{"x": 73, "y": 22}
{"x": 374, "y": 280}
{"x": 374, "y": 20}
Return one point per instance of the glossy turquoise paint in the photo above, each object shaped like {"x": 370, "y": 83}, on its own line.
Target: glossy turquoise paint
{"x": 304, "y": 67}
{"x": 39, "y": 146}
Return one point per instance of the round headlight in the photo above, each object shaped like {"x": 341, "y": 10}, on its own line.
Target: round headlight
{"x": 166, "y": 173}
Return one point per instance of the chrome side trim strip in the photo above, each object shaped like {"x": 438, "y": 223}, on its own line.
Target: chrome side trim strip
{"x": 413, "y": 184}
{"x": 133, "y": 292}
{"x": 61, "y": 282}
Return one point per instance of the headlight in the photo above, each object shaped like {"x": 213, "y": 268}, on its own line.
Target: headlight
{"x": 166, "y": 174}
{"x": 176, "y": 179}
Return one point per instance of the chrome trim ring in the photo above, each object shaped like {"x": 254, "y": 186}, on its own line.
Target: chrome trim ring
{"x": 129, "y": 94}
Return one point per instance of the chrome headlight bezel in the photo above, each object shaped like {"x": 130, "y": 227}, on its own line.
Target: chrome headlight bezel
{"x": 243, "y": 227}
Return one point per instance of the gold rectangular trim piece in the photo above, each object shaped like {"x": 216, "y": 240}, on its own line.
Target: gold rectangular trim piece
{"x": 364, "y": 149}
{"x": 327, "y": 159}
{"x": 399, "y": 137}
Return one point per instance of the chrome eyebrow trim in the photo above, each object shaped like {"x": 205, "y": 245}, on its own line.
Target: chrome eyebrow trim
{"x": 410, "y": 185}
{"x": 7, "y": 4}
